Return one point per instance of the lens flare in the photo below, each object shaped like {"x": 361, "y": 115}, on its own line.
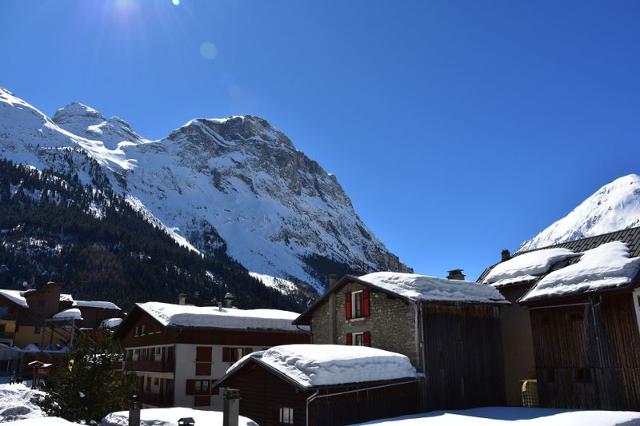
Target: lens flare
{"x": 175, "y": 2}
{"x": 208, "y": 50}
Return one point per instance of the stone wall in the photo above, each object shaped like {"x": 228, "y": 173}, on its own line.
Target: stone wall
{"x": 391, "y": 323}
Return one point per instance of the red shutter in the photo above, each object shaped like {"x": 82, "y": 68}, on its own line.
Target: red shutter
{"x": 349, "y": 339}
{"x": 365, "y": 303}
{"x": 367, "y": 338}
{"x": 347, "y": 305}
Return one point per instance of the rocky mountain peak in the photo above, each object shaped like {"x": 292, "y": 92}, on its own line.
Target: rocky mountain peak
{"x": 613, "y": 207}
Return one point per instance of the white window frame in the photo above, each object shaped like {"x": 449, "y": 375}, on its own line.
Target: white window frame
{"x": 353, "y": 304}
{"x": 285, "y": 415}
{"x": 354, "y": 338}
{"x": 636, "y": 304}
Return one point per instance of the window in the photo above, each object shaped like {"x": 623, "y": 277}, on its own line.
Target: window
{"x": 148, "y": 387}
{"x": 636, "y": 303}
{"x": 203, "y": 361}
{"x": 201, "y": 400}
{"x": 356, "y": 304}
{"x": 359, "y": 339}
{"x": 234, "y": 354}
{"x": 201, "y": 387}
{"x": 156, "y": 381}
{"x": 285, "y": 415}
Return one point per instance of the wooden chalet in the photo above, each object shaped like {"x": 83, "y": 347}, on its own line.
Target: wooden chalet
{"x": 323, "y": 385}
{"x": 448, "y": 328}
{"x": 177, "y": 351}
{"x": 584, "y": 315}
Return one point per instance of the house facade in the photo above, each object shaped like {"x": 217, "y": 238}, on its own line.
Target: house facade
{"x": 323, "y": 385}
{"x": 449, "y": 329}
{"x": 581, "y": 301}
{"x": 178, "y": 351}
{"x": 40, "y": 324}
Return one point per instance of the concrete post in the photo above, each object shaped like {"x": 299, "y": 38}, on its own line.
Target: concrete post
{"x": 231, "y": 410}
{"x": 134, "y": 411}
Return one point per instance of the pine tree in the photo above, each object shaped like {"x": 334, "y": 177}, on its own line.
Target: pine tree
{"x": 89, "y": 387}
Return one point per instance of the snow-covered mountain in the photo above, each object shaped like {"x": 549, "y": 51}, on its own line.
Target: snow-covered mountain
{"x": 613, "y": 207}
{"x": 235, "y": 184}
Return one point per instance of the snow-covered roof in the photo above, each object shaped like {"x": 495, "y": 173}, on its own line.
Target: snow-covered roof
{"x": 604, "y": 267}
{"x": 213, "y": 317}
{"x": 95, "y": 304}
{"x": 111, "y": 323}
{"x": 68, "y": 314}
{"x": 64, "y": 297}
{"x": 527, "y": 266}
{"x": 326, "y": 365}
{"x": 426, "y": 289}
{"x": 15, "y": 296}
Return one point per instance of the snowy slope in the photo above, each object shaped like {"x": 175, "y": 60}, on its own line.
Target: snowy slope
{"x": 613, "y": 207}
{"x": 234, "y": 184}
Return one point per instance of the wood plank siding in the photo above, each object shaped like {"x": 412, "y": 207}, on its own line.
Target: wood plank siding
{"x": 463, "y": 356}
{"x": 588, "y": 355}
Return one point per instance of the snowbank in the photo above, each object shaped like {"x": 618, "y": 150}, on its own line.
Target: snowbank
{"x": 318, "y": 365}
{"x": 213, "y": 317}
{"x": 606, "y": 266}
{"x": 514, "y": 416}
{"x": 100, "y": 304}
{"x": 524, "y": 266}
{"x": 170, "y": 416}
{"x": 425, "y": 288}
{"x": 16, "y": 403}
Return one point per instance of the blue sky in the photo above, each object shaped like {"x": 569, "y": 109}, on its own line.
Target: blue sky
{"x": 458, "y": 128}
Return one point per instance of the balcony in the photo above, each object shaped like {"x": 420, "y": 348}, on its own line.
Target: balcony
{"x": 166, "y": 366}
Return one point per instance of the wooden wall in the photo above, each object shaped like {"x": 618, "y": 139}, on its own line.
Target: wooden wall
{"x": 588, "y": 356}
{"x": 463, "y": 356}
{"x": 263, "y": 393}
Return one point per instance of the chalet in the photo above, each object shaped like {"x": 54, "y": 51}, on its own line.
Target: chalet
{"x": 581, "y": 301}
{"x": 177, "y": 351}
{"x": 40, "y": 324}
{"x": 323, "y": 385}
{"x": 448, "y": 328}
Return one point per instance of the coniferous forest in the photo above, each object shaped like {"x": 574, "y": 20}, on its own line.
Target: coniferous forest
{"x": 52, "y": 228}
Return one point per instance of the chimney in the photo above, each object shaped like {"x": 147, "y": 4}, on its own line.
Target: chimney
{"x": 332, "y": 280}
{"x": 228, "y": 300}
{"x": 455, "y": 274}
{"x": 182, "y": 299}
{"x": 506, "y": 255}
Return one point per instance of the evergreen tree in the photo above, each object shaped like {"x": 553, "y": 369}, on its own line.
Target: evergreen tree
{"x": 89, "y": 387}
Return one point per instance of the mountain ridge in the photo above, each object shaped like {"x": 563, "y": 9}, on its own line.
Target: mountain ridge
{"x": 236, "y": 184}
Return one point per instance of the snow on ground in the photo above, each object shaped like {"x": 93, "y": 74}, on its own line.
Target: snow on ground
{"x": 170, "y": 416}
{"x": 425, "y": 288}
{"x": 522, "y": 267}
{"x": 606, "y": 266}
{"x": 42, "y": 421}
{"x": 514, "y": 416}
{"x": 214, "y": 317}
{"x": 16, "y": 402}
{"x": 317, "y": 365}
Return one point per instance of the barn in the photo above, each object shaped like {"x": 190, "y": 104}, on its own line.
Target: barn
{"x": 323, "y": 385}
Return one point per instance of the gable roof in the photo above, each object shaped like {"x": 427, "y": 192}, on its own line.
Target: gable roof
{"x": 309, "y": 366}
{"x": 629, "y": 237}
{"x": 213, "y": 317}
{"x": 414, "y": 288}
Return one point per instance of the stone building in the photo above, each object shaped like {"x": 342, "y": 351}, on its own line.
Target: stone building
{"x": 449, "y": 329}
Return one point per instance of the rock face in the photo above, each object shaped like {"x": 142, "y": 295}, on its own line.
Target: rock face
{"x": 613, "y": 207}
{"x": 235, "y": 184}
